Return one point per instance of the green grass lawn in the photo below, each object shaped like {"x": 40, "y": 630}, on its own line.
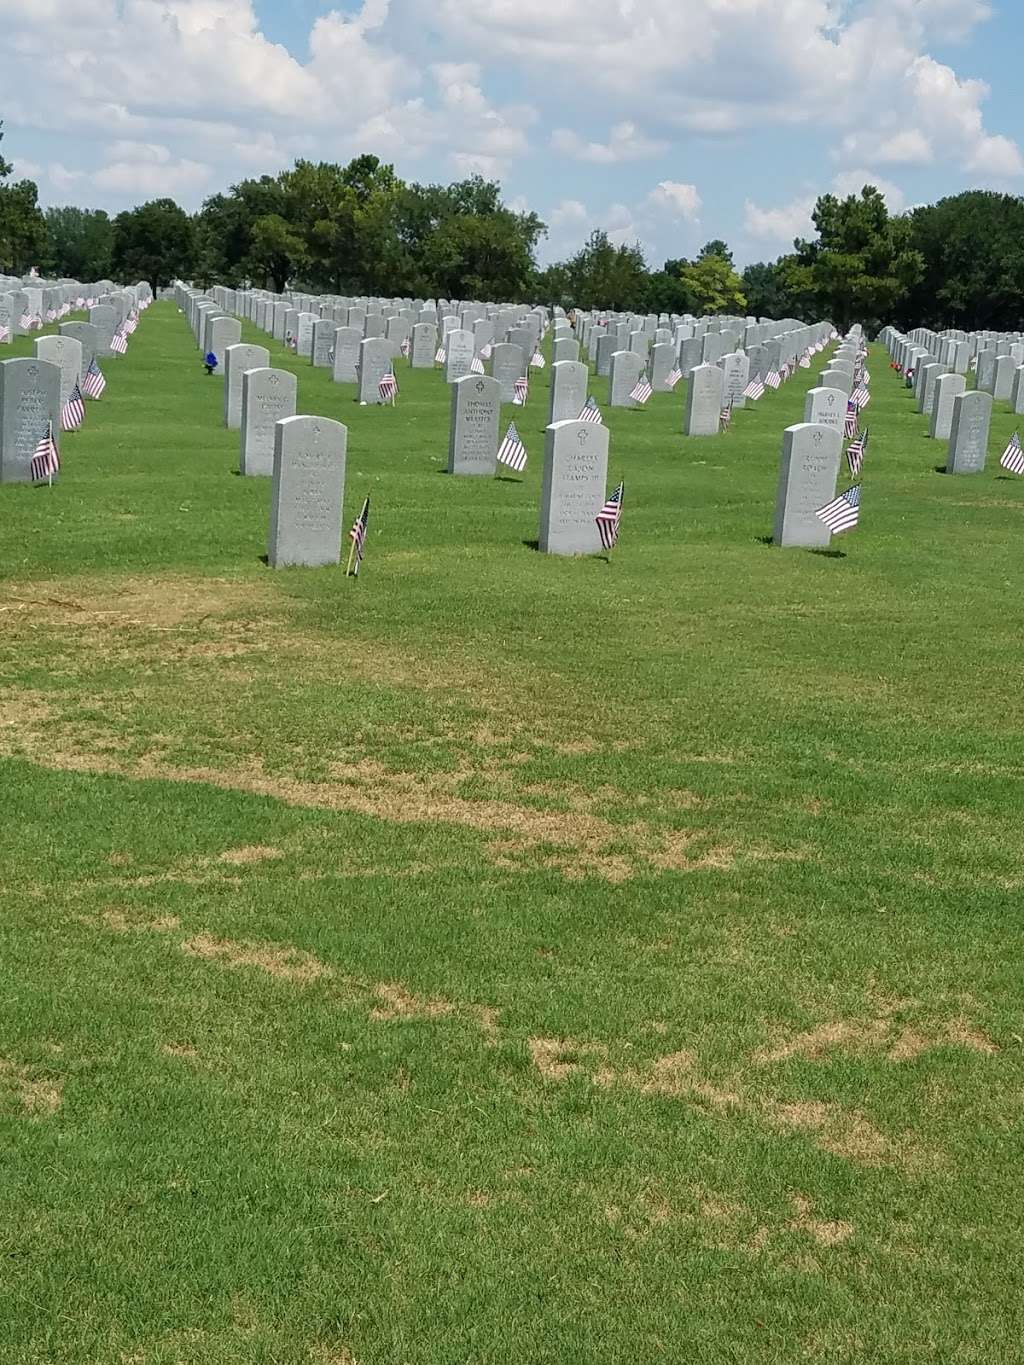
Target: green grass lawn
{"x": 499, "y": 957}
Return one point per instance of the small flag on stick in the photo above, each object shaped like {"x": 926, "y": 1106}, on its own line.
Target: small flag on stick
{"x": 755, "y": 389}
{"x": 441, "y": 355}
{"x": 476, "y": 365}
{"x": 725, "y": 417}
{"x": 642, "y": 390}
{"x": 608, "y": 519}
{"x": 522, "y": 392}
{"x": 773, "y": 380}
{"x": 1013, "y": 455}
{"x": 94, "y": 384}
{"x": 512, "y": 452}
{"x": 851, "y": 425}
{"x": 591, "y": 412}
{"x": 537, "y": 361}
{"x": 72, "y": 414}
{"x": 855, "y": 453}
{"x": 46, "y": 461}
{"x": 673, "y": 377}
{"x": 119, "y": 343}
{"x": 843, "y": 513}
{"x": 388, "y": 388}
{"x": 358, "y": 538}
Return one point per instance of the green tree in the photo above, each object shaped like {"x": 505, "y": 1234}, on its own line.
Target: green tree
{"x": 714, "y": 285}
{"x": 716, "y": 247}
{"x": 972, "y": 250}
{"x": 80, "y": 243}
{"x": 766, "y": 290}
{"x": 22, "y": 226}
{"x": 154, "y": 242}
{"x": 602, "y": 275}
{"x": 863, "y": 262}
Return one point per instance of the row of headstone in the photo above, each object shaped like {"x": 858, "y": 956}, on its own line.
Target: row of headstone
{"x": 34, "y": 390}
{"x": 936, "y": 367}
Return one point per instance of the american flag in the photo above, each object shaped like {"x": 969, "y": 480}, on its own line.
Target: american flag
{"x": 1013, "y": 455}
{"x": 805, "y": 362}
{"x": 5, "y": 334}
{"x": 476, "y": 365}
{"x": 755, "y": 389}
{"x": 94, "y": 383}
{"x": 851, "y": 425}
{"x": 119, "y": 343}
{"x": 608, "y": 519}
{"x": 512, "y": 452}
{"x": 388, "y": 388}
{"x": 522, "y": 392}
{"x": 773, "y": 379}
{"x": 486, "y": 351}
{"x": 673, "y": 377}
{"x": 330, "y": 356}
{"x": 843, "y": 513}
{"x": 130, "y": 323}
{"x": 642, "y": 391}
{"x": 537, "y": 361}
{"x": 46, "y": 461}
{"x": 404, "y": 348}
{"x": 441, "y": 355}
{"x": 861, "y": 397}
{"x": 725, "y": 418}
{"x": 358, "y": 538}
{"x": 50, "y": 315}
{"x": 591, "y": 412}
{"x": 855, "y": 453}
{"x": 25, "y": 322}
{"x": 72, "y": 414}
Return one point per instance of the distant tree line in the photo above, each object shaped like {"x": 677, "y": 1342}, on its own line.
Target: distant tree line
{"x": 360, "y": 229}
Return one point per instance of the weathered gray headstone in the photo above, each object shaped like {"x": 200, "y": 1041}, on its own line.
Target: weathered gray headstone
{"x": 627, "y": 367}
{"x": 459, "y": 361}
{"x": 222, "y": 333}
{"x": 85, "y": 334}
{"x": 508, "y": 363}
{"x": 736, "y": 371}
{"x": 607, "y": 345}
{"x": 374, "y": 364}
{"x": 268, "y": 396}
{"x": 968, "y": 439}
{"x": 66, "y": 354}
{"x": 1017, "y": 394}
{"x": 238, "y": 359}
{"x": 1005, "y": 372}
{"x": 948, "y": 388}
{"x": 307, "y": 492}
{"x": 8, "y": 319}
{"x": 424, "y": 346}
{"x": 661, "y": 360}
{"x": 29, "y": 400}
{"x": 565, "y": 348}
{"x": 347, "y": 341}
{"x": 103, "y": 318}
{"x": 826, "y": 408}
{"x": 569, "y": 381}
{"x": 703, "y": 415}
{"x": 323, "y": 343}
{"x": 473, "y": 437}
{"x": 811, "y": 455}
{"x": 574, "y": 487}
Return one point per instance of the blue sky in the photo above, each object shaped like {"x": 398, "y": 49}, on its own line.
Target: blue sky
{"x": 663, "y": 121}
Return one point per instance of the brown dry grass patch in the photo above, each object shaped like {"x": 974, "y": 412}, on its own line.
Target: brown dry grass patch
{"x": 826, "y": 1233}
{"x": 396, "y": 1002}
{"x": 39, "y": 1096}
{"x": 857, "y": 1036}
{"x": 251, "y": 853}
{"x": 284, "y": 963}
